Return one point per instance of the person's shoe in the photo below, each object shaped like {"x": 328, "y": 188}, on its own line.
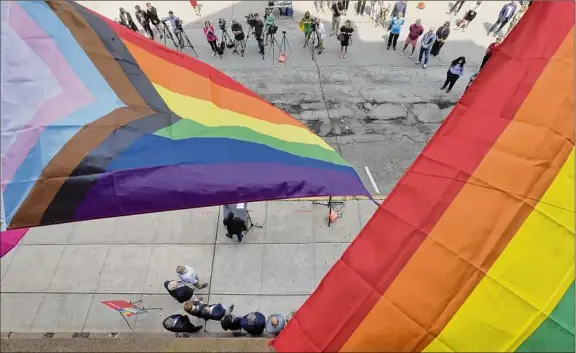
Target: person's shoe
{"x": 410, "y": 57}
{"x": 198, "y": 328}
{"x": 394, "y": 48}
{"x": 401, "y": 53}
{"x": 229, "y": 235}
{"x": 242, "y": 53}
{"x": 448, "y": 91}
{"x": 234, "y": 51}
{"x": 417, "y": 62}
{"x": 443, "y": 88}
{"x": 204, "y": 285}
{"x": 240, "y": 237}
{"x": 231, "y": 308}
{"x": 387, "y": 48}
{"x": 424, "y": 66}
{"x": 320, "y": 52}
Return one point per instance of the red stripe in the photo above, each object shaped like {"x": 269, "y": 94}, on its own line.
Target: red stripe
{"x": 374, "y": 259}
{"x": 177, "y": 58}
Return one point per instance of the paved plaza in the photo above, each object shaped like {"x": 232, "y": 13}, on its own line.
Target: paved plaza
{"x": 55, "y": 279}
{"x": 382, "y": 110}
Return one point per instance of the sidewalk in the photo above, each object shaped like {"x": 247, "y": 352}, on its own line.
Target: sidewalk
{"x": 54, "y": 280}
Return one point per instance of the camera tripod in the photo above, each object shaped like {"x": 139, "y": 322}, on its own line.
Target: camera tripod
{"x": 281, "y": 47}
{"x": 312, "y": 42}
{"x": 227, "y": 39}
{"x": 184, "y": 41}
{"x": 167, "y": 34}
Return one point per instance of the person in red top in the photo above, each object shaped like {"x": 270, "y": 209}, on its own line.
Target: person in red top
{"x": 211, "y": 37}
{"x": 416, "y": 31}
{"x": 194, "y": 4}
{"x": 491, "y": 48}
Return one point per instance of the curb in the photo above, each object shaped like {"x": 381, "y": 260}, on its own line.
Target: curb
{"x": 125, "y": 335}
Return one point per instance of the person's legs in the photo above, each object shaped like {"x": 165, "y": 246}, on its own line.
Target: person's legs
{"x": 389, "y": 41}
{"x": 240, "y": 236}
{"x": 420, "y": 55}
{"x": 494, "y": 26}
{"x": 447, "y": 80}
{"x": 345, "y": 51}
{"x": 501, "y": 26}
{"x": 320, "y": 45}
{"x": 453, "y": 80}
{"x": 405, "y": 46}
{"x": 198, "y": 285}
{"x": 413, "y": 49}
{"x": 460, "y": 6}
{"x": 426, "y": 56}
{"x": 395, "y": 40}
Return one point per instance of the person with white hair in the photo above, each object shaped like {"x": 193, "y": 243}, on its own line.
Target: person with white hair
{"x": 180, "y": 324}
{"x": 188, "y": 274}
{"x": 275, "y": 323}
{"x": 253, "y": 323}
{"x": 179, "y": 291}
{"x": 207, "y": 311}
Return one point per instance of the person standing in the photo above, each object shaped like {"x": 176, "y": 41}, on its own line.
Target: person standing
{"x": 454, "y": 72}
{"x": 469, "y": 16}
{"x": 188, "y": 274}
{"x": 321, "y": 33}
{"x": 360, "y": 7}
{"x": 126, "y": 20}
{"x": 416, "y": 31}
{"x": 153, "y": 16}
{"x": 504, "y": 16}
{"x": 176, "y": 24}
{"x": 345, "y": 37}
{"x": 517, "y": 16}
{"x": 269, "y": 26}
{"x": 306, "y": 27}
{"x": 441, "y": 36}
{"x": 239, "y": 39}
{"x": 336, "y": 13}
{"x": 179, "y": 291}
{"x": 399, "y": 7}
{"x": 195, "y": 6}
{"x": 275, "y": 323}
{"x": 456, "y": 7}
{"x": 385, "y": 10}
{"x": 211, "y": 37}
{"x": 258, "y": 32}
{"x": 491, "y": 48}
{"x": 144, "y": 21}
{"x": 396, "y": 27}
{"x": 427, "y": 41}
{"x": 207, "y": 311}
{"x": 180, "y": 324}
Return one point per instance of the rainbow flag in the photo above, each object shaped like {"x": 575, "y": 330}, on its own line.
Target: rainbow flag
{"x": 473, "y": 251}
{"x": 99, "y": 121}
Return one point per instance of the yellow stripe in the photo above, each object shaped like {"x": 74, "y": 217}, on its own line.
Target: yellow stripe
{"x": 527, "y": 281}
{"x": 208, "y": 114}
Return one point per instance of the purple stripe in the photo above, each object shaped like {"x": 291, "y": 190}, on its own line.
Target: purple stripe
{"x": 74, "y": 95}
{"x": 188, "y": 186}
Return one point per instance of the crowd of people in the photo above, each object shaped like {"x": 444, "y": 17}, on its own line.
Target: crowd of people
{"x": 182, "y": 290}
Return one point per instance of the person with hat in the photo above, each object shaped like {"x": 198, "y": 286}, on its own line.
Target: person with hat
{"x": 207, "y": 311}
{"x": 441, "y": 35}
{"x": 180, "y": 324}
{"x": 179, "y": 291}
{"x": 187, "y": 274}
{"x": 275, "y": 323}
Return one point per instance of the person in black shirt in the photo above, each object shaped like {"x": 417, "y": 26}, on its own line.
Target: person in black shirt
{"x": 253, "y": 323}
{"x": 180, "y": 324}
{"x": 345, "y": 38}
{"x": 179, "y": 291}
{"x": 235, "y": 226}
{"x": 258, "y": 31}
{"x": 153, "y": 16}
{"x": 126, "y": 20}
{"x": 239, "y": 37}
{"x": 144, "y": 21}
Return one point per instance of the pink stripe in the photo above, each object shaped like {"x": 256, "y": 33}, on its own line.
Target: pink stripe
{"x": 74, "y": 95}
{"x": 10, "y": 238}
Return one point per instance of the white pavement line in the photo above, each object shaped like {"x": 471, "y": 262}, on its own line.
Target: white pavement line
{"x": 371, "y": 179}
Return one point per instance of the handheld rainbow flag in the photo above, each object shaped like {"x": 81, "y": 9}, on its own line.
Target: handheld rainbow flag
{"x": 98, "y": 121}
{"x": 473, "y": 251}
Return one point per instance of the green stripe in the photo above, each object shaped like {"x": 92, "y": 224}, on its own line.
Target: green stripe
{"x": 186, "y": 128}
{"x": 556, "y": 333}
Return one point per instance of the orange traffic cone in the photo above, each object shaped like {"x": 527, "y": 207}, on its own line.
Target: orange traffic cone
{"x": 282, "y": 58}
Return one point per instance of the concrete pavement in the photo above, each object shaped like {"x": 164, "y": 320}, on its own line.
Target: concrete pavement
{"x": 56, "y": 278}
{"x": 382, "y": 108}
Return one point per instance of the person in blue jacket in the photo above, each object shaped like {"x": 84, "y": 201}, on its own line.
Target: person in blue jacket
{"x": 395, "y": 28}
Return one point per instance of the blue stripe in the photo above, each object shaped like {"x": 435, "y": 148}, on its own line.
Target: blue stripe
{"x": 154, "y": 151}
{"x": 58, "y": 134}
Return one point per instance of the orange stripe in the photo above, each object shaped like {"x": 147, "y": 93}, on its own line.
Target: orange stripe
{"x": 189, "y": 83}
{"x": 479, "y": 223}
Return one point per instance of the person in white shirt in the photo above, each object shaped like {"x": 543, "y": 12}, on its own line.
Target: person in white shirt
{"x": 187, "y": 274}
{"x": 321, "y": 32}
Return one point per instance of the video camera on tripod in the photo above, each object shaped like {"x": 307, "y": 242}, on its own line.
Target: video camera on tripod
{"x": 222, "y": 23}
{"x": 250, "y": 19}
{"x": 313, "y": 24}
